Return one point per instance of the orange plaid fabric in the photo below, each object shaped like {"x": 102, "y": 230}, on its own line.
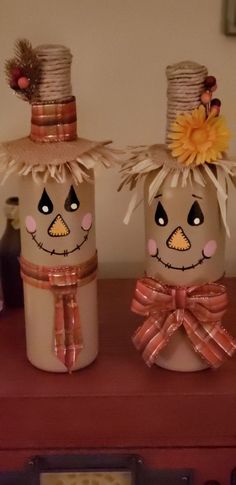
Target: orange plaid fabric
{"x": 198, "y": 308}
{"x": 54, "y": 121}
{"x": 63, "y": 281}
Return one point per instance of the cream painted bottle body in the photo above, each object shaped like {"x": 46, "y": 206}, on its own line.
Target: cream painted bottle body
{"x": 185, "y": 241}
{"x": 57, "y": 229}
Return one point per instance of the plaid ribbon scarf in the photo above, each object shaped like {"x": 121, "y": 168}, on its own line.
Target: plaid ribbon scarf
{"x": 63, "y": 281}
{"x": 198, "y": 308}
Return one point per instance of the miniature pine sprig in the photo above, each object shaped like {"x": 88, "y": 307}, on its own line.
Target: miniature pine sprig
{"x": 23, "y": 72}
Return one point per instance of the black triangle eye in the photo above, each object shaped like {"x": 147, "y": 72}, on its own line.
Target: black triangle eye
{"x": 72, "y": 202}
{"x": 195, "y": 215}
{"x": 160, "y": 215}
{"x": 45, "y": 204}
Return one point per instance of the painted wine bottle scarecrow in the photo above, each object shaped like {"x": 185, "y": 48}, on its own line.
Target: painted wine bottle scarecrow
{"x": 185, "y": 192}
{"x": 58, "y": 259}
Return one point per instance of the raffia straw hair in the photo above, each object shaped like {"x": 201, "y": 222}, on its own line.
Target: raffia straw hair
{"x": 55, "y": 81}
{"x": 185, "y": 86}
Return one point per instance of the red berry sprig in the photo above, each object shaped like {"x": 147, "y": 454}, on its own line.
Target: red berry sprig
{"x": 18, "y": 80}
{"x": 215, "y": 106}
{"x": 212, "y": 105}
{"x": 23, "y": 71}
{"x": 210, "y": 83}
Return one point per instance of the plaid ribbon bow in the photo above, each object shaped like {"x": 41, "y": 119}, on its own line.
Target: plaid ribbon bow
{"x": 198, "y": 308}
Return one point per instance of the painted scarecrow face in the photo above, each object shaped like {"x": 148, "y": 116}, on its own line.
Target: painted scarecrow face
{"x": 57, "y": 222}
{"x": 185, "y": 234}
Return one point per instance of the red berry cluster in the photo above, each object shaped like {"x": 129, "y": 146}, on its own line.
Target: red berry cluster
{"x": 18, "y": 79}
{"x": 212, "y": 105}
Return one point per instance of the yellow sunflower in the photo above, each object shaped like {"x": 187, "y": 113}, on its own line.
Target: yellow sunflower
{"x": 197, "y": 138}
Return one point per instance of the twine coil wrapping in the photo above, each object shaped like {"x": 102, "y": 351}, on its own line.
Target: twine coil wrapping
{"x": 185, "y": 86}
{"x": 55, "y": 80}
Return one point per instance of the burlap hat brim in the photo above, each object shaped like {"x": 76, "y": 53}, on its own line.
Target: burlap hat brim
{"x": 24, "y": 150}
{"x": 57, "y": 160}
{"x": 158, "y": 155}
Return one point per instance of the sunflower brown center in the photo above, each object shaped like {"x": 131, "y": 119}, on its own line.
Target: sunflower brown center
{"x": 199, "y": 135}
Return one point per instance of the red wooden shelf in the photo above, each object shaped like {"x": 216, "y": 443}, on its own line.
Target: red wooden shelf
{"x": 117, "y": 403}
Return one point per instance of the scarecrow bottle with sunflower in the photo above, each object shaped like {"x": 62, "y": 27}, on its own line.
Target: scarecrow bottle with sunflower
{"x": 56, "y": 168}
{"x": 185, "y": 191}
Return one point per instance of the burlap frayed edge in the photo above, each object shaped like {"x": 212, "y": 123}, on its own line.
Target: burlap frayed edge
{"x": 79, "y": 169}
{"x": 151, "y": 159}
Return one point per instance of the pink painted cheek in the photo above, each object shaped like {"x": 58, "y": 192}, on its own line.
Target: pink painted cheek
{"x": 87, "y": 221}
{"x": 30, "y": 224}
{"x": 152, "y": 247}
{"x": 209, "y": 248}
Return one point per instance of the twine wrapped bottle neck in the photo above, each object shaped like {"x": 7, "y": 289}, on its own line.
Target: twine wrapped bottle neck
{"x": 54, "y": 108}
{"x": 55, "y": 78}
{"x": 185, "y": 87}
{"x": 55, "y": 121}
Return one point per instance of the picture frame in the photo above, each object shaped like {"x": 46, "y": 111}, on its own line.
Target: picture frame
{"x": 47, "y": 470}
{"x": 230, "y": 17}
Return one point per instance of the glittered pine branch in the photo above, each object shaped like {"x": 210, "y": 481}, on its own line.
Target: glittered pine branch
{"x": 23, "y": 71}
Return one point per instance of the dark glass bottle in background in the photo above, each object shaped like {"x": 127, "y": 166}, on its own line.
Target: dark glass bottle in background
{"x": 12, "y": 288}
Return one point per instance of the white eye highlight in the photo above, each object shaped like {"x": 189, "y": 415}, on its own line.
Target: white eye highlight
{"x": 74, "y": 206}
{"x": 196, "y": 221}
{"x": 45, "y": 209}
{"x": 161, "y": 221}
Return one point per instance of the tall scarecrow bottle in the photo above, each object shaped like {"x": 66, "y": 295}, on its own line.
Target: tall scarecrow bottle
{"x": 58, "y": 249}
{"x": 185, "y": 192}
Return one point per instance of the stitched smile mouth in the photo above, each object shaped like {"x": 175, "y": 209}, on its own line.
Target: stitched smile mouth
{"x": 181, "y": 268}
{"x": 65, "y": 252}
